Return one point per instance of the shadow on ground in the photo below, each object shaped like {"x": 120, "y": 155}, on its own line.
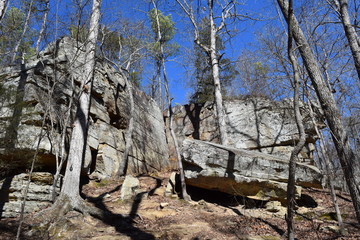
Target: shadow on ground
{"x": 124, "y": 224}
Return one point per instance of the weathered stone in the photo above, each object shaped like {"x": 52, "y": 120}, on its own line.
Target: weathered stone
{"x": 170, "y": 187}
{"x": 38, "y": 197}
{"x": 164, "y": 205}
{"x": 275, "y": 207}
{"x": 253, "y": 123}
{"x": 21, "y": 117}
{"x": 242, "y": 172}
{"x": 107, "y": 161}
{"x": 130, "y": 188}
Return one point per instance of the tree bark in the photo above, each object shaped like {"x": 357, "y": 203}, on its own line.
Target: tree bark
{"x": 325, "y": 157}
{"x": 331, "y": 112}
{"x": 61, "y": 153}
{"x": 216, "y": 77}
{"x": 71, "y": 183}
{"x": 350, "y": 32}
{"x": 212, "y": 52}
{"x": 299, "y": 122}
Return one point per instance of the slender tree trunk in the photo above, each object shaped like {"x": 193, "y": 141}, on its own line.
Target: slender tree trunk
{"x": 26, "y": 24}
{"x": 299, "y": 122}
{"x": 350, "y": 32}
{"x": 159, "y": 84}
{"x": 3, "y": 5}
{"x": 185, "y": 195}
{"x": 71, "y": 185}
{"x": 325, "y": 157}
{"x": 212, "y": 52}
{"x": 331, "y": 112}
{"x": 61, "y": 143}
{"x": 216, "y": 77}
{"x": 42, "y": 30}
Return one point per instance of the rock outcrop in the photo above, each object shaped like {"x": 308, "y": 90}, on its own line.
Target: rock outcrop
{"x": 253, "y": 123}
{"x": 242, "y": 172}
{"x": 262, "y": 134}
{"x": 12, "y": 191}
{"x": 48, "y": 85}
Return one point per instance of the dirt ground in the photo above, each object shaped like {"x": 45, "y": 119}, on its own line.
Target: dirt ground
{"x": 211, "y": 215}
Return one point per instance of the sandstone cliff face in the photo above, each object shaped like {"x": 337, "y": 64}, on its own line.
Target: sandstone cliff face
{"x": 47, "y": 85}
{"x": 262, "y": 134}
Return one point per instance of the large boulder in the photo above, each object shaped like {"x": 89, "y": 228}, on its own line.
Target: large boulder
{"x": 242, "y": 172}
{"x": 261, "y": 136}
{"x": 46, "y": 86}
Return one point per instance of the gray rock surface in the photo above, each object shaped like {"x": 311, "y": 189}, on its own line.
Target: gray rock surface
{"x": 130, "y": 188}
{"x": 254, "y": 123}
{"x": 12, "y": 189}
{"x": 261, "y": 136}
{"x": 27, "y": 95}
{"x": 242, "y": 172}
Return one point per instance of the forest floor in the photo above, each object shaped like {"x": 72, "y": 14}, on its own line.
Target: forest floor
{"x": 211, "y": 215}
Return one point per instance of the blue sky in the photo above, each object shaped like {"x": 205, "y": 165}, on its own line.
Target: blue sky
{"x": 179, "y": 82}
{"x": 176, "y": 67}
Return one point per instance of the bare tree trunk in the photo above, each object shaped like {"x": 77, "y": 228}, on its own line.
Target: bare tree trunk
{"x": 331, "y": 112}
{"x": 3, "y": 5}
{"x": 159, "y": 84}
{"x": 71, "y": 185}
{"x": 26, "y": 24}
{"x": 216, "y": 77}
{"x": 350, "y": 32}
{"x": 185, "y": 195}
{"x": 299, "y": 122}
{"x": 325, "y": 157}
{"x": 42, "y": 30}
{"x": 212, "y": 52}
{"x": 61, "y": 143}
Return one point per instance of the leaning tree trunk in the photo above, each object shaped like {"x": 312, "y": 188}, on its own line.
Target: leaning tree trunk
{"x": 71, "y": 185}
{"x": 185, "y": 195}
{"x": 350, "y": 32}
{"x": 331, "y": 112}
{"x": 299, "y": 122}
{"x": 325, "y": 157}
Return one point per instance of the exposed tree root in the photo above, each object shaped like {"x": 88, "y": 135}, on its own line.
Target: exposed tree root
{"x": 54, "y": 216}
